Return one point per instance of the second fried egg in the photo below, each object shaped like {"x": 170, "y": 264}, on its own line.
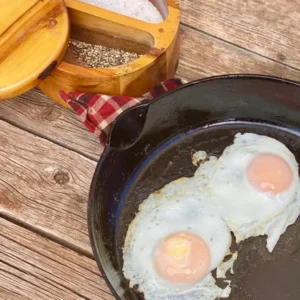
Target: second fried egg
{"x": 255, "y": 185}
{"x": 176, "y": 239}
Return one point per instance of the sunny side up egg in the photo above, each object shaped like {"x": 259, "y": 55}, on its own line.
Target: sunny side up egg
{"x": 174, "y": 242}
{"x": 255, "y": 185}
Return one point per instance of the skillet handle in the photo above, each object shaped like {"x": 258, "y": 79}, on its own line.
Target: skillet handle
{"x": 127, "y": 127}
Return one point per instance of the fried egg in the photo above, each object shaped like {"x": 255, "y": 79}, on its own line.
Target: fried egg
{"x": 174, "y": 242}
{"x": 255, "y": 185}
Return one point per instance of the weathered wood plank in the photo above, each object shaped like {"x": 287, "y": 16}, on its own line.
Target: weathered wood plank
{"x": 36, "y": 113}
{"x": 270, "y": 28}
{"x": 6, "y": 294}
{"x": 32, "y": 267}
{"x": 45, "y": 186}
{"x": 203, "y": 55}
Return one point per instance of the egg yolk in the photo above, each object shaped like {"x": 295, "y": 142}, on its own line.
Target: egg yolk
{"x": 270, "y": 173}
{"x": 182, "y": 258}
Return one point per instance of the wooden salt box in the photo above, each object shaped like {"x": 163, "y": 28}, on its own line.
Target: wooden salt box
{"x": 158, "y": 45}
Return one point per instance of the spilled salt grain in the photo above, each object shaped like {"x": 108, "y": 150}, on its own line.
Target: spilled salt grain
{"x": 138, "y": 9}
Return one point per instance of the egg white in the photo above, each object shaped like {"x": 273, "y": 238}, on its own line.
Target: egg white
{"x": 247, "y": 211}
{"x": 178, "y": 207}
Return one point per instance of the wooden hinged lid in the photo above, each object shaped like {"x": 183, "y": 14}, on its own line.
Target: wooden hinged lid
{"x": 33, "y": 40}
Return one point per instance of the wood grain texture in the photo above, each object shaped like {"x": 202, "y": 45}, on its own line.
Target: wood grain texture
{"x": 45, "y": 187}
{"x": 33, "y": 41}
{"x": 35, "y": 112}
{"x": 208, "y": 56}
{"x": 269, "y": 28}
{"x": 8, "y": 294}
{"x": 13, "y": 11}
{"x": 203, "y": 55}
{"x": 32, "y": 267}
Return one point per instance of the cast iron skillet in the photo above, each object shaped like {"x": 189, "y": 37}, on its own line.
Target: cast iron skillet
{"x": 151, "y": 144}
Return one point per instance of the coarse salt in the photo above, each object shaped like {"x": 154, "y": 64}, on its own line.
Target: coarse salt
{"x": 138, "y": 9}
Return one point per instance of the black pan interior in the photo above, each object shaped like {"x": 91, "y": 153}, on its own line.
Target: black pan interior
{"x": 151, "y": 145}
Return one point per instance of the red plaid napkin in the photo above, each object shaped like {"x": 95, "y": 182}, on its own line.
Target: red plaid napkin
{"x": 97, "y": 112}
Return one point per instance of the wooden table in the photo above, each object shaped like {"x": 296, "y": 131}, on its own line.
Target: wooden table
{"x": 48, "y": 158}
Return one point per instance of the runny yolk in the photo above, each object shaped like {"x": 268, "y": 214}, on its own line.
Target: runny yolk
{"x": 270, "y": 173}
{"x": 182, "y": 258}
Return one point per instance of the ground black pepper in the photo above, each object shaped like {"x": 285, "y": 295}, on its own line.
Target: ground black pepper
{"x": 98, "y": 56}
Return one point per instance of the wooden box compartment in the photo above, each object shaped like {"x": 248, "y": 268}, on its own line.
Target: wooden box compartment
{"x": 158, "y": 45}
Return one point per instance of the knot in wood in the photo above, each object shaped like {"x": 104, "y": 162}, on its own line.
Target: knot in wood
{"x": 53, "y": 23}
{"x": 61, "y": 177}
{"x": 51, "y": 114}
{"x": 281, "y": 57}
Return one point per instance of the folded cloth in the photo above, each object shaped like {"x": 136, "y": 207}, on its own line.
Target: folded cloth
{"x": 98, "y": 112}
